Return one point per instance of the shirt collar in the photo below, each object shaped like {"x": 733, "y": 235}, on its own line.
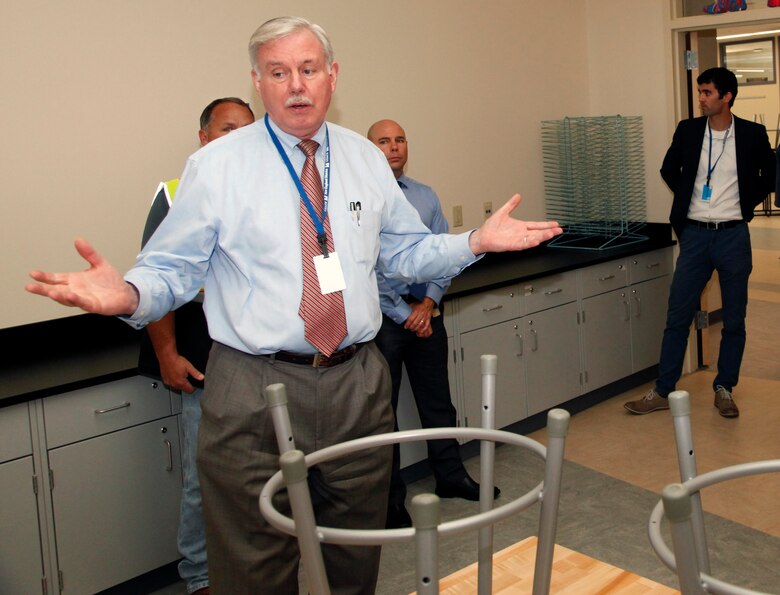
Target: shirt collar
{"x": 290, "y": 142}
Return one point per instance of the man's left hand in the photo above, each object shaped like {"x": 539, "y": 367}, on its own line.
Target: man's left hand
{"x": 419, "y": 321}
{"x": 502, "y": 233}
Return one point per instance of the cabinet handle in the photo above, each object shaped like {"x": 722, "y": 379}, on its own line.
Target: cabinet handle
{"x": 638, "y": 301}
{"x": 653, "y": 265}
{"x": 169, "y": 466}
{"x": 553, "y": 291}
{"x": 607, "y": 278}
{"x": 520, "y": 344}
{"x": 491, "y": 308}
{"x": 114, "y": 408}
{"x": 627, "y": 308}
{"x": 535, "y": 336}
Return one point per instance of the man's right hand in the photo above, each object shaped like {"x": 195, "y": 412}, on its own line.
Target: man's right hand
{"x": 100, "y": 289}
{"x": 176, "y": 370}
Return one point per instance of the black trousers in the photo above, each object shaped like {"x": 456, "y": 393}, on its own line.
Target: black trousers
{"x": 426, "y": 366}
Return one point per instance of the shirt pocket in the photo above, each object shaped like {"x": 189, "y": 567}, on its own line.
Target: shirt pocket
{"x": 364, "y": 237}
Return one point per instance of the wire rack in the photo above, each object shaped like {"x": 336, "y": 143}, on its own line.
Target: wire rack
{"x": 594, "y": 181}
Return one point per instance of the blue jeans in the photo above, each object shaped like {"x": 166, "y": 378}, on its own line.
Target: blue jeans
{"x": 701, "y": 252}
{"x": 193, "y": 569}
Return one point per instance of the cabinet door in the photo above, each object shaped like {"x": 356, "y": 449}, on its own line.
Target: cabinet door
{"x": 504, "y": 340}
{"x": 607, "y": 338}
{"x": 115, "y": 500}
{"x": 648, "y": 318}
{"x": 21, "y": 562}
{"x": 552, "y": 357}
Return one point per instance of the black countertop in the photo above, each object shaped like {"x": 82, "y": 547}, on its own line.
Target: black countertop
{"x": 57, "y": 356}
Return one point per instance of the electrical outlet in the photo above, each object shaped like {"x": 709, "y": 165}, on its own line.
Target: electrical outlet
{"x": 457, "y": 216}
{"x": 488, "y": 209}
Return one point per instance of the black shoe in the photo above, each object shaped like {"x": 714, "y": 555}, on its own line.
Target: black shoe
{"x": 397, "y": 517}
{"x": 465, "y": 488}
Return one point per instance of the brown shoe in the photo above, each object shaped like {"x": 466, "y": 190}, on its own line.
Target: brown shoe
{"x": 725, "y": 403}
{"x": 652, "y": 401}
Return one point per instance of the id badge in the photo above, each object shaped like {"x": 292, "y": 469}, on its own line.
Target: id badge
{"x": 706, "y": 193}
{"x": 329, "y": 273}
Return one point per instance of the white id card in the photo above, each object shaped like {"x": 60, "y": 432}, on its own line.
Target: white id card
{"x": 329, "y": 273}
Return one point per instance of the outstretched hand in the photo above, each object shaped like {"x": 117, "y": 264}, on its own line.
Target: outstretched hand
{"x": 99, "y": 289}
{"x": 502, "y": 233}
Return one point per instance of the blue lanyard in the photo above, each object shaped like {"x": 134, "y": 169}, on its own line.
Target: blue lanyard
{"x": 319, "y": 223}
{"x": 710, "y": 165}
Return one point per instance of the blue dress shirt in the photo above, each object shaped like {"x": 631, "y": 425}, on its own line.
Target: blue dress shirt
{"x": 427, "y": 204}
{"x": 234, "y": 229}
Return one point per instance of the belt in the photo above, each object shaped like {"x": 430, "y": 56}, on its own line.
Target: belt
{"x": 317, "y": 360}
{"x": 713, "y": 225}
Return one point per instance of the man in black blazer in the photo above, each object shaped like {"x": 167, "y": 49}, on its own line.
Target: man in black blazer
{"x": 719, "y": 167}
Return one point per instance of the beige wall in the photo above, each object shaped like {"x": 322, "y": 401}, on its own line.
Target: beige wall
{"x": 101, "y": 101}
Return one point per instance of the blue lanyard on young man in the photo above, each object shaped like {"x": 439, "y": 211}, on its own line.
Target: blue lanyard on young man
{"x": 710, "y": 165}
{"x": 319, "y": 223}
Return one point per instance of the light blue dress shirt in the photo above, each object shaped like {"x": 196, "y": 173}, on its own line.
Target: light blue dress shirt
{"x": 234, "y": 229}
{"x": 427, "y": 204}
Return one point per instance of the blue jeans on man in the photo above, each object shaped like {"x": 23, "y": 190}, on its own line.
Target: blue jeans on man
{"x": 703, "y": 251}
{"x": 193, "y": 568}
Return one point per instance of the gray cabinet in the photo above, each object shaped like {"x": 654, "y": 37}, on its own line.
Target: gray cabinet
{"x": 105, "y": 508}
{"x": 622, "y": 328}
{"x": 21, "y": 554}
{"x": 538, "y": 352}
{"x": 559, "y": 336}
{"x": 648, "y": 302}
{"x": 115, "y": 499}
{"x": 506, "y": 341}
{"x": 552, "y": 357}
{"x": 115, "y": 482}
{"x": 606, "y": 337}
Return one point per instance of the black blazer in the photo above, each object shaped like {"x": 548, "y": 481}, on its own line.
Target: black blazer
{"x": 755, "y": 166}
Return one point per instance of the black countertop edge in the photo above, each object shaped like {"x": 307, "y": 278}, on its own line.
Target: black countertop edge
{"x": 57, "y": 356}
{"x": 501, "y": 269}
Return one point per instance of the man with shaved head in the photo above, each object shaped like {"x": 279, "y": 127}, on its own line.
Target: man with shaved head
{"x": 413, "y": 335}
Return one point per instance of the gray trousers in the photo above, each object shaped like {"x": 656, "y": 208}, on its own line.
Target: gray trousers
{"x": 237, "y": 454}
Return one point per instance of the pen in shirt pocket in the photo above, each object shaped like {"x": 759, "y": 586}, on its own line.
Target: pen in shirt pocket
{"x": 355, "y": 208}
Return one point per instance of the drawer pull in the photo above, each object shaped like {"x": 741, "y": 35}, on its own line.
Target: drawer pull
{"x": 491, "y": 308}
{"x": 638, "y": 301}
{"x": 607, "y": 278}
{"x": 114, "y": 408}
{"x": 653, "y": 265}
{"x": 553, "y": 291}
{"x": 168, "y": 444}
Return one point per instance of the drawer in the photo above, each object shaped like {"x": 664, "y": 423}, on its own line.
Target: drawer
{"x": 15, "y": 436}
{"x": 650, "y": 265}
{"x": 549, "y": 292}
{"x": 104, "y": 408}
{"x": 604, "y": 277}
{"x": 489, "y": 307}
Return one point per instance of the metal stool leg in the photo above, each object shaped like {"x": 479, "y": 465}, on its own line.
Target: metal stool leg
{"x": 487, "y": 457}
{"x": 276, "y": 395}
{"x": 677, "y": 504}
{"x": 680, "y": 406}
{"x": 557, "y": 427}
{"x": 295, "y": 474}
{"x": 426, "y": 518}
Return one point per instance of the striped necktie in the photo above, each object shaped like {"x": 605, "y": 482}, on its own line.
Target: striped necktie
{"x": 324, "y": 321}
